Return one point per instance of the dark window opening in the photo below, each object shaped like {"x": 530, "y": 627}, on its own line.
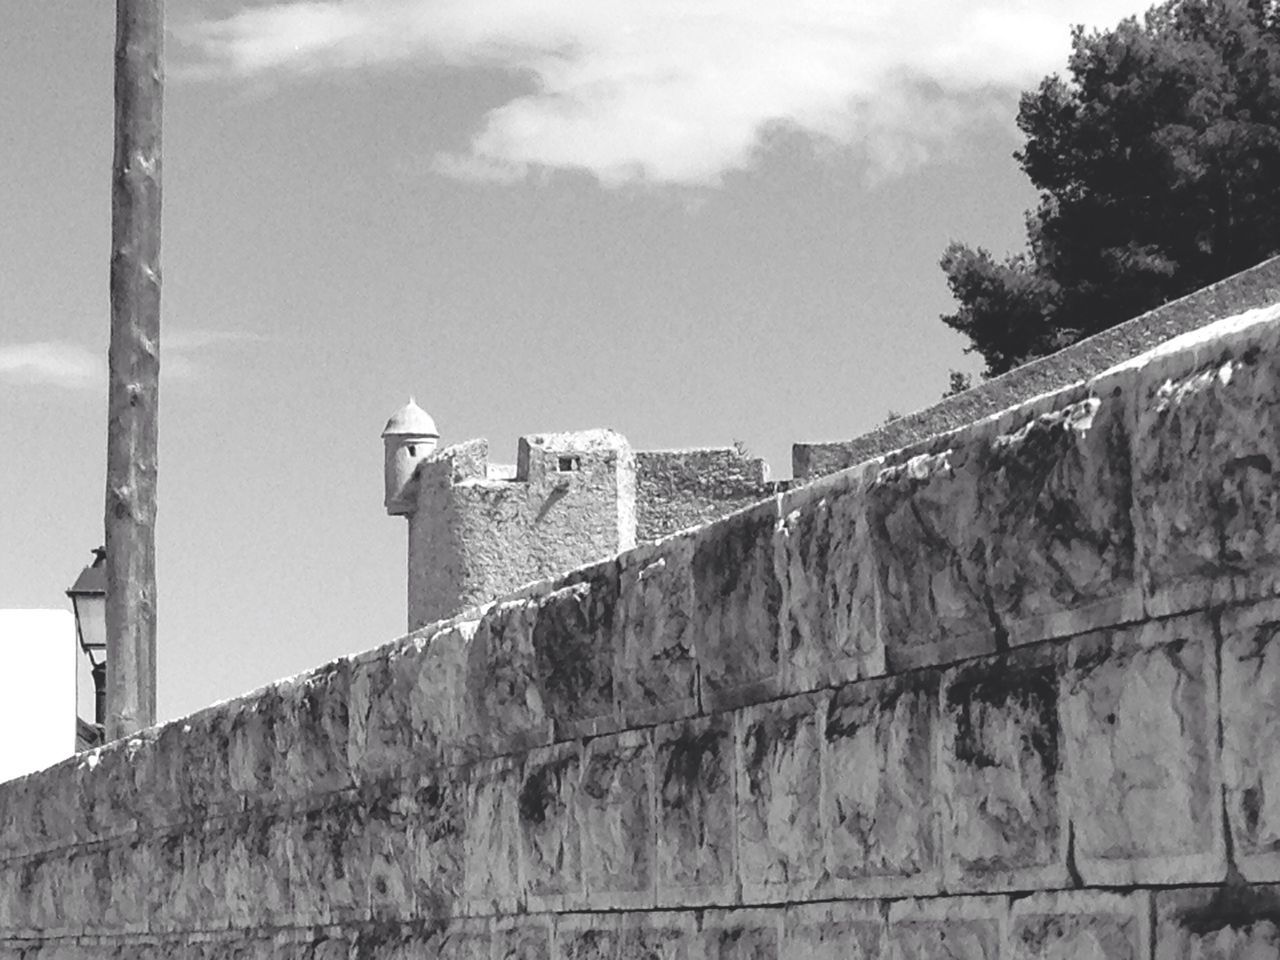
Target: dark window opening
{"x": 569, "y": 464}
{"x": 413, "y": 450}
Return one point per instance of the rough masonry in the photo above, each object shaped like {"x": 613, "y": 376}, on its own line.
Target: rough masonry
{"x": 1011, "y": 693}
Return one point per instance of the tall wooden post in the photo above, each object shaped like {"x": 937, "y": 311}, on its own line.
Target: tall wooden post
{"x": 134, "y": 360}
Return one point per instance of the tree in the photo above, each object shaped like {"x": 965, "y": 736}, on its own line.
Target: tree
{"x": 1158, "y": 165}
{"x": 134, "y": 361}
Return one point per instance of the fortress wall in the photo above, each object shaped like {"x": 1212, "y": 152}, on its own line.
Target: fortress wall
{"x": 1012, "y": 694}
{"x": 1250, "y": 289}
{"x": 473, "y": 537}
{"x": 676, "y": 489}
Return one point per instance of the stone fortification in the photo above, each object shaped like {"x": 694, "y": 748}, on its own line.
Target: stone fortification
{"x": 1256, "y": 287}
{"x": 1011, "y": 694}
{"x": 676, "y": 489}
{"x": 478, "y": 530}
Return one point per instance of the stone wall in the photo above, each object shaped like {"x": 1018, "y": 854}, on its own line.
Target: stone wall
{"x": 1250, "y": 289}
{"x": 1011, "y": 694}
{"x": 676, "y": 489}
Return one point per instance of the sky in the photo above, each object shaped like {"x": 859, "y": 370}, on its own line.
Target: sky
{"x": 694, "y": 221}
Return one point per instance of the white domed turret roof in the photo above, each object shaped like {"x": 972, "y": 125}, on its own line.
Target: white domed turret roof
{"x": 410, "y": 421}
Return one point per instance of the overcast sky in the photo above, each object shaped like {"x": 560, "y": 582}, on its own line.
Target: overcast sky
{"x": 695, "y": 221}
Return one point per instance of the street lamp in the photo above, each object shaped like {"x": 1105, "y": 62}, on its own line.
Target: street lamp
{"x": 89, "y": 601}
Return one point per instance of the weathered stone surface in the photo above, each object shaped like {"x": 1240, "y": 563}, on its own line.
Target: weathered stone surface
{"x": 573, "y": 640}
{"x": 251, "y": 747}
{"x": 879, "y": 803}
{"x": 438, "y": 700}
{"x": 844, "y": 930}
{"x": 615, "y": 821}
{"x": 1080, "y": 925}
{"x": 522, "y": 938}
{"x": 589, "y": 936}
{"x": 650, "y": 935}
{"x": 676, "y": 489}
{"x": 327, "y": 850}
{"x": 1250, "y": 732}
{"x": 505, "y": 709}
{"x": 1142, "y": 779}
{"x": 550, "y": 845}
{"x": 655, "y": 671}
{"x": 930, "y": 563}
{"x": 958, "y": 928}
{"x": 1003, "y": 825}
{"x": 1218, "y": 923}
{"x": 467, "y": 939}
{"x": 695, "y": 815}
{"x": 381, "y": 741}
{"x": 257, "y": 873}
{"x": 389, "y": 851}
{"x": 830, "y": 629}
{"x": 780, "y": 843}
{"x": 741, "y": 934}
{"x": 492, "y": 881}
{"x": 311, "y": 737}
{"x": 738, "y": 600}
{"x": 1206, "y": 445}
{"x": 1055, "y": 501}
{"x": 437, "y": 842}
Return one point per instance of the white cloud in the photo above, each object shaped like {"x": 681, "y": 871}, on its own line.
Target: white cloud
{"x": 679, "y": 91}
{"x": 73, "y": 366}
{"x": 52, "y": 362}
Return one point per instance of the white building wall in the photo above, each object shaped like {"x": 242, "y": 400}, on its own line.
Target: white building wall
{"x": 37, "y": 689}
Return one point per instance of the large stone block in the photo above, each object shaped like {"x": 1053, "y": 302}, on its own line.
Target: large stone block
{"x": 615, "y": 821}
{"x": 655, "y": 670}
{"x": 252, "y": 750}
{"x": 492, "y": 880}
{"x": 880, "y": 803}
{"x": 202, "y": 899}
{"x": 311, "y": 737}
{"x": 327, "y": 850}
{"x": 522, "y": 938}
{"x": 550, "y": 844}
{"x": 1080, "y": 925}
{"x": 1002, "y": 823}
{"x": 930, "y": 560}
{"x": 390, "y": 814}
{"x": 830, "y": 629}
{"x": 381, "y": 741}
{"x": 741, "y": 934}
{"x": 843, "y": 930}
{"x": 738, "y": 604}
{"x": 695, "y": 812}
{"x": 438, "y": 700}
{"x": 188, "y": 777}
{"x": 437, "y": 842}
{"x": 257, "y": 870}
{"x": 573, "y": 638}
{"x": 465, "y": 939}
{"x": 958, "y": 928}
{"x": 1142, "y": 782}
{"x": 1055, "y": 518}
{"x": 1218, "y": 923}
{"x": 505, "y": 709}
{"x": 1206, "y": 446}
{"x": 1250, "y": 732}
{"x": 650, "y": 935}
{"x": 779, "y": 769}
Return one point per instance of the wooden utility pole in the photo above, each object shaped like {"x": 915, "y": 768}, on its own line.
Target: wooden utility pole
{"x": 134, "y": 360}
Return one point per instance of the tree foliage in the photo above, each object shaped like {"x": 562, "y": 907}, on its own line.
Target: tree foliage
{"x": 1158, "y": 164}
